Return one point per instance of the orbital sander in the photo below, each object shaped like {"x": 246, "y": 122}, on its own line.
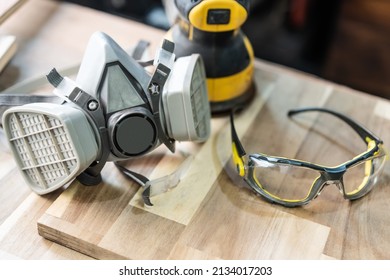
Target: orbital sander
{"x": 212, "y": 29}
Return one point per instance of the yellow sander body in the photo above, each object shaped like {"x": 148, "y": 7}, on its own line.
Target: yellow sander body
{"x": 212, "y": 29}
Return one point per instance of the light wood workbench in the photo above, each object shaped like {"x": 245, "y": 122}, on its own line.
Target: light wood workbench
{"x": 208, "y": 216}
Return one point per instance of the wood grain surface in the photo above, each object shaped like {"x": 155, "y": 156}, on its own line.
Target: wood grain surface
{"x": 210, "y": 214}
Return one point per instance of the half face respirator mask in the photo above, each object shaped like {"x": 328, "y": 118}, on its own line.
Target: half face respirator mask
{"x": 115, "y": 110}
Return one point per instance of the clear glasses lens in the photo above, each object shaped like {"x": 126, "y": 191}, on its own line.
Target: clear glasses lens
{"x": 283, "y": 181}
{"x": 361, "y": 177}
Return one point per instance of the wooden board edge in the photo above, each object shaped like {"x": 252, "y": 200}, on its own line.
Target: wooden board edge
{"x": 65, "y": 234}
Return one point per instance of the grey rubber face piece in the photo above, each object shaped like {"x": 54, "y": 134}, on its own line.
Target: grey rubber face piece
{"x": 135, "y": 135}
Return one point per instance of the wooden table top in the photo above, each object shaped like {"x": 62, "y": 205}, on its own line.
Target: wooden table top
{"x": 209, "y": 215}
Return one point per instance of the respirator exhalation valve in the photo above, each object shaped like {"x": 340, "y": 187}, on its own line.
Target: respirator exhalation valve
{"x": 143, "y": 136}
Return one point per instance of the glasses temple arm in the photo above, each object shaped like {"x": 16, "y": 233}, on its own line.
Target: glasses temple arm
{"x": 236, "y": 141}
{"x": 363, "y": 132}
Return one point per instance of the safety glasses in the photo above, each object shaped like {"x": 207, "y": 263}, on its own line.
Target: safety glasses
{"x": 292, "y": 182}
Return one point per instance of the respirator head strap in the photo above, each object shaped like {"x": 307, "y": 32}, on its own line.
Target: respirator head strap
{"x": 139, "y": 49}
{"x": 8, "y": 100}
{"x": 138, "y": 178}
{"x": 155, "y": 89}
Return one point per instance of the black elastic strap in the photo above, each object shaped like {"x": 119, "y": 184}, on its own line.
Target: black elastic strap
{"x": 139, "y": 49}
{"x": 138, "y": 178}
{"x": 8, "y": 100}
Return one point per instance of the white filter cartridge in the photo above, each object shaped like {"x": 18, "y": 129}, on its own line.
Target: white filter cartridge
{"x": 51, "y": 143}
{"x": 186, "y": 104}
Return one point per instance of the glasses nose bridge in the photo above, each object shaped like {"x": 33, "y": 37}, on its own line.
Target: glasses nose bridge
{"x": 334, "y": 174}
{"x": 335, "y": 177}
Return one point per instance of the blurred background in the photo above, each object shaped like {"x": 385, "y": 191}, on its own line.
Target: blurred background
{"x": 345, "y": 41}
